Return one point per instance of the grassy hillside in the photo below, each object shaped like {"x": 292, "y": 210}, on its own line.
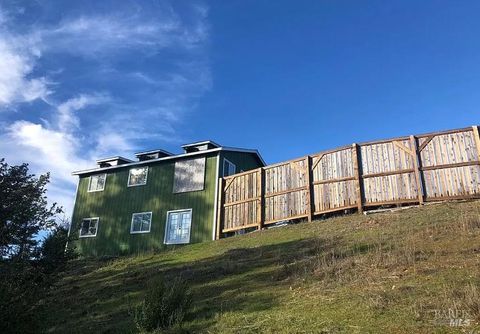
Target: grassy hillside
{"x": 386, "y": 272}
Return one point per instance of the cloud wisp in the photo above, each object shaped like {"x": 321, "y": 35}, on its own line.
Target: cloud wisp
{"x": 17, "y": 62}
{"x": 89, "y": 85}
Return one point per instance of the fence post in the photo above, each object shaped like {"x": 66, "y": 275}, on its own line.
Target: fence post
{"x": 357, "y": 171}
{"x": 308, "y": 173}
{"x": 416, "y": 166}
{"x": 477, "y": 139}
{"x": 308, "y": 167}
{"x": 261, "y": 193}
{"x": 220, "y": 211}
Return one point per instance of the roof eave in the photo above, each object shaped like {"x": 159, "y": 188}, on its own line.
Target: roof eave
{"x": 136, "y": 163}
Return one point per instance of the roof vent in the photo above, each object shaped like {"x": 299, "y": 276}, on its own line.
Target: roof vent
{"x": 113, "y": 161}
{"x": 199, "y": 146}
{"x": 152, "y": 154}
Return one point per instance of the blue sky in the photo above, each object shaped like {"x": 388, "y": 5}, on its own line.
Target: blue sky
{"x": 88, "y": 79}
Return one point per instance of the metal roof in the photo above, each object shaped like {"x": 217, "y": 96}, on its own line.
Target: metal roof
{"x": 211, "y": 142}
{"x": 112, "y": 159}
{"x": 153, "y": 151}
{"x": 178, "y": 156}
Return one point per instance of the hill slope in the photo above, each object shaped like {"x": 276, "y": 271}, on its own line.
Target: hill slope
{"x": 391, "y": 272}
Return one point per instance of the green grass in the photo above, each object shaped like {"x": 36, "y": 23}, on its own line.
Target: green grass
{"x": 383, "y": 273}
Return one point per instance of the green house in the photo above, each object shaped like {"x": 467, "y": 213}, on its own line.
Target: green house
{"x": 161, "y": 199}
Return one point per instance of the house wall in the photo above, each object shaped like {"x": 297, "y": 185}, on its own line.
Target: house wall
{"x": 117, "y": 202}
{"x": 243, "y": 161}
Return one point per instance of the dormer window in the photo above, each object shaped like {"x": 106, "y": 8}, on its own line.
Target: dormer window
{"x": 113, "y": 161}
{"x": 153, "y": 154}
{"x": 137, "y": 176}
{"x": 97, "y": 182}
{"x": 200, "y": 146}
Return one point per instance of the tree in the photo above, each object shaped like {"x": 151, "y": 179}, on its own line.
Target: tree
{"x": 24, "y": 210}
{"x": 53, "y": 252}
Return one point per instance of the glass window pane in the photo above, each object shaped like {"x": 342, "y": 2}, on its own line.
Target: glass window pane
{"x": 141, "y": 222}
{"x": 136, "y": 223}
{"x": 84, "y": 229}
{"x": 138, "y": 176}
{"x": 93, "y": 183}
{"x": 228, "y": 168}
{"x": 97, "y": 182}
{"x": 101, "y": 181}
{"x": 189, "y": 175}
{"x": 89, "y": 227}
{"x": 225, "y": 169}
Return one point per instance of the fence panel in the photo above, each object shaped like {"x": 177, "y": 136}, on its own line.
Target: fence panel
{"x": 388, "y": 172}
{"x": 286, "y": 190}
{"x": 450, "y": 164}
{"x": 334, "y": 185}
{"x": 241, "y": 196}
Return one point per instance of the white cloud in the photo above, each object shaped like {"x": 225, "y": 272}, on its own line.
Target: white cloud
{"x": 73, "y": 137}
{"x": 17, "y": 61}
{"x": 47, "y": 149}
{"x": 111, "y": 141}
{"x": 68, "y": 121}
{"x": 92, "y": 36}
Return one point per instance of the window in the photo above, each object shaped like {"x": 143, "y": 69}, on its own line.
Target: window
{"x": 97, "y": 182}
{"x": 89, "y": 227}
{"x": 137, "y": 176}
{"x": 228, "y": 168}
{"x": 189, "y": 175}
{"x": 141, "y": 222}
{"x": 178, "y": 227}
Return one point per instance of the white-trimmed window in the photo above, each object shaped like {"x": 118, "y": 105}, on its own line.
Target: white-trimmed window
{"x": 177, "y": 230}
{"x": 97, "y": 182}
{"x": 89, "y": 227}
{"x": 137, "y": 176}
{"x": 189, "y": 175}
{"x": 229, "y": 167}
{"x": 141, "y": 222}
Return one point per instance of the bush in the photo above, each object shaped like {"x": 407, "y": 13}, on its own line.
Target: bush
{"x": 165, "y": 305}
{"x": 21, "y": 287}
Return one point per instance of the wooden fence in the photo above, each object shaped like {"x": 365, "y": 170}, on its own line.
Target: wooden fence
{"x": 430, "y": 167}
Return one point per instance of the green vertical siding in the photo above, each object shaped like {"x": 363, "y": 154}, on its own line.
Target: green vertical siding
{"x": 116, "y": 204}
{"x": 243, "y": 161}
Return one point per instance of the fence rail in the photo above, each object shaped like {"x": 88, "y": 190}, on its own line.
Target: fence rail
{"x": 414, "y": 169}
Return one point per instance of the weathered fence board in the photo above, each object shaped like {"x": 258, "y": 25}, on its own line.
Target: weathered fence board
{"x": 334, "y": 185}
{"x": 450, "y": 164}
{"x": 286, "y": 191}
{"x": 414, "y": 169}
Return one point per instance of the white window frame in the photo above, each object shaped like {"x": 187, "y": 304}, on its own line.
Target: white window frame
{"x": 90, "y": 182}
{"x": 225, "y": 160}
{"x": 166, "y": 228}
{"x": 89, "y": 235}
{"x": 204, "y": 175}
{"x": 149, "y": 225}
{"x": 140, "y": 184}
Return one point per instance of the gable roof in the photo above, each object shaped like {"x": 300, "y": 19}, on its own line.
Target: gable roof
{"x": 173, "y": 157}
